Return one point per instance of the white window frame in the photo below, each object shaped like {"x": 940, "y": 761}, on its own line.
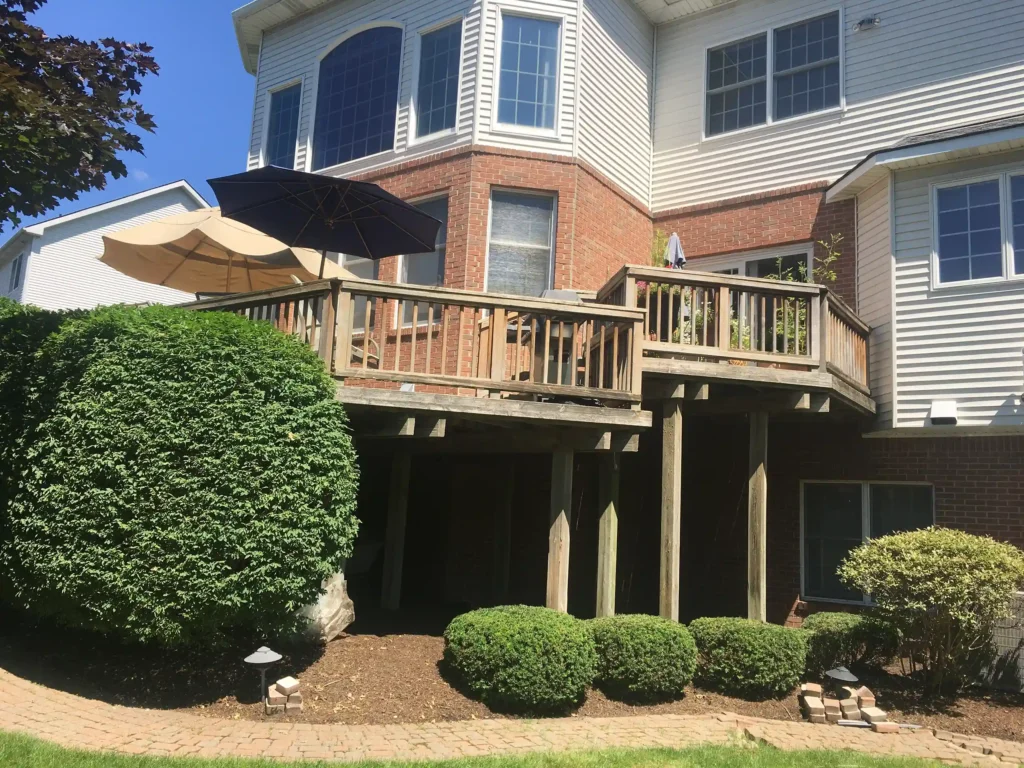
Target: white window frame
{"x": 553, "y": 237}
{"x": 441, "y": 195}
{"x": 865, "y": 525}
{"x": 770, "y": 74}
{"x": 268, "y": 97}
{"x": 315, "y": 90}
{"x": 511, "y": 129}
{"x": 740, "y": 260}
{"x": 414, "y": 87}
{"x": 1005, "y": 227}
{"x": 16, "y": 279}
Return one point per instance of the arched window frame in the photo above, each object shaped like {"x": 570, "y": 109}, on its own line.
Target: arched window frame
{"x": 311, "y": 133}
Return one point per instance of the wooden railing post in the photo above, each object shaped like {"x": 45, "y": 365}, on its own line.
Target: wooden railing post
{"x": 499, "y": 333}
{"x": 823, "y": 332}
{"x": 629, "y": 292}
{"x": 342, "y": 299}
{"x": 724, "y": 312}
{"x": 636, "y": 365}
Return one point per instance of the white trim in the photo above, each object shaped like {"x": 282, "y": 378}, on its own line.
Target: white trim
{"x": 417, "y": 55}
{"x": 1002, "y": 178}
{"x": 268, "y": 97}
{"x": 552, "y": 232}
{"x": 318, "y": 62}
{"x": 510, "y": 129}
{"x": 769, "y": 106}
{"x": 865, "y": 511}
{"x": 893, "y": 340}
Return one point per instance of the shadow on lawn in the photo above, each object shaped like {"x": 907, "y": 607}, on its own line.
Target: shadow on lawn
{"x": 95, "y": 667}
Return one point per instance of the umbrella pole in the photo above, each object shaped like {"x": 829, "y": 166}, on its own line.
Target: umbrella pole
{"x": 323, "y": 258}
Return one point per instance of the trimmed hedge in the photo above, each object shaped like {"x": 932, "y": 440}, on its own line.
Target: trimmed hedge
{"x": 842, "y": 639}
{"x": 190, "y": 475}
{"x": 521, "y": 659}
{"x": 748, "y": 658}
{"x": 643, "y": 658}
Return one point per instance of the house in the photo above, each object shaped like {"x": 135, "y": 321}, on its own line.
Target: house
{"x": 738, "y": 434}
{"x": 54, "y": 263}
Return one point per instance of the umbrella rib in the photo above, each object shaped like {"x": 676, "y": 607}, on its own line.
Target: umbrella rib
{"x": 181, "y": 263}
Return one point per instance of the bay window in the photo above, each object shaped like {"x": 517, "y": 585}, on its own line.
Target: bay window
{"x": 528, "y": 80}
{"x": 283, "y": 126}
{"x": 437, "y": 92}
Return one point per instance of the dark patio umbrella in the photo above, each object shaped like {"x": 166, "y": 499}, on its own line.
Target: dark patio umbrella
{"x": 308, "y": 210}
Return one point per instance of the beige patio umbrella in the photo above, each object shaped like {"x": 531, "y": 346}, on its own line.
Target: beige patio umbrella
{"x": 202, "y": 252}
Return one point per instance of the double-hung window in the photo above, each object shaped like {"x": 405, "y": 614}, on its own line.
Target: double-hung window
{"x": 838, "y": 517}
{"x": 979, "y": 229}
{"x": 17, "y": 272}
{"x": 283, "y": 126}
{"x": 521, "y": 243}
{"x": 528, "y": 84}
{"x": 785, "y": 72}
{"x": 427, "y": 268}
{"x": 357, "y": 97}
{"x": 437, "y": 92}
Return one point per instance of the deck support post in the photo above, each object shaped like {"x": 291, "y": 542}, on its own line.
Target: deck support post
{"x": 757, "y": 518}
{"x": 671, "y": 507}
{"x": 504, "y": 487}
{"x": 558, "y": 533}
{"x": 607, "y": 533}
{"x": 394, "y": 539}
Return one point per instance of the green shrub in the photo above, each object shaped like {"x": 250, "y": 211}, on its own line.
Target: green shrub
{"x": 748, "y": 658}
{"x": 843, "y": 639}
{"x": 943, "y": 591}
{"x": 644, "y": 658}
{"x": 521, "y": 659}
{"x": 190, "y": 475}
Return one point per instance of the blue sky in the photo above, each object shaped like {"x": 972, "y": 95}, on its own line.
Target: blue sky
{"x": 201, "y": 101}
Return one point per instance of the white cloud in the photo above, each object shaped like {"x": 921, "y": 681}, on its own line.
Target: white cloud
{"x": 140, "y": 175}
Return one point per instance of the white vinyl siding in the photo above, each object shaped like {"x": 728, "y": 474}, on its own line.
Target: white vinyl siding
{"x": 291, "y": 51}
{"x": 560, "y": 140}
{"x": 896, "y": 84}
{"x": 616, "y": 77}
{"x": 953, "y": 342}
{"x": 874, "y": 292}
{"x": 65, "y": 271}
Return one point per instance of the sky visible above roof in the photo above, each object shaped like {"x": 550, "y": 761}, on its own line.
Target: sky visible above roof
{"x": 201, "y": 101}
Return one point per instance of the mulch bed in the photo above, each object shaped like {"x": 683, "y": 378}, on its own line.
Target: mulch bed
{"x": 393, "y": 676}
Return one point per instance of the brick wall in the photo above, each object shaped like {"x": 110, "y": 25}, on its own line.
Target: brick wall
{"x": 793, "y": 215}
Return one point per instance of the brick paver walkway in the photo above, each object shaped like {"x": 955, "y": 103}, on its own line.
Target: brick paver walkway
{"x": 84, "y": 723}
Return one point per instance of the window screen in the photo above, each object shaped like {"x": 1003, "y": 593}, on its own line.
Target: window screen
{"x": 438, "y": 90}
{"x": 283, "y": 128}
{"x": 737, "y": 84}
{"x": 519, "y": 252}
{"x": 807, "y": 67}
{"x": 529, "y": 72}
{"x": 970, "y": 238}
{"x": 427, "y": 268}
{"x": 357, "y": 97}
{"x": 832, "y": 527}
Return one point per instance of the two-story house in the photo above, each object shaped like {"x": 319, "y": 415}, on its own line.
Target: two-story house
{"x": 554, "y": 138}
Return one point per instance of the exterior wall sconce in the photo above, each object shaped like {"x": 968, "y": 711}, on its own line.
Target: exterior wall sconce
{"x": 869, "y": 23}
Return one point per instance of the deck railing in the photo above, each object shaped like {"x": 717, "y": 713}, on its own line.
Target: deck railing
{"x": 744, "y": 320}
{"x": 476, "y": 343}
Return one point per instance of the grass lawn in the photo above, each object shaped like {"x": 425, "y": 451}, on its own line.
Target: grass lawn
{"x": 18, "y": 751}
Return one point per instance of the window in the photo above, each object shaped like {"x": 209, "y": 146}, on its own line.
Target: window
{"x": 807, "y": 67}
{"x": 17, "y": 272}
{"x": 970, "y": 238}
{"x": 427, "y": 268}
{"x": 357, "y": 97}
{"x": 283, "y": 126}
{"x": 799, "y": 73}
{"x": 520, "y": 245}
{"x": 737, "y": 85}
{"x": 438, "y": 90}
{"x": 529, "y": 72}
{"x": 837, "y": 517}
{"x": 1017, "y": 217}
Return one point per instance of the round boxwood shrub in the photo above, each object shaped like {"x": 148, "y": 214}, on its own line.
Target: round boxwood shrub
{"x": 643, "y": 658}
{"x": 191, "y": 475}
{"x": 521, "y": 659}
{"x": 842, "y": 639}
{"x": 748, "y": 658}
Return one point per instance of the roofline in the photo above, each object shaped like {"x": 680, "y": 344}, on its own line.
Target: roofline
{"x": 842, "y": 188}
{"x": 238, "y": 17}
{"x": 21, "y": 234}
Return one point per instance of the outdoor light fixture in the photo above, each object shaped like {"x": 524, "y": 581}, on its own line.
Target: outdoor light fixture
{"x": 943, "y": 412}
{"x": 869, "y": 23}
{"x": 262, "y": 659}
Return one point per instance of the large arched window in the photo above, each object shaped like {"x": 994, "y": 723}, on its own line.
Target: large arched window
{"x": 357, "y": 97}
